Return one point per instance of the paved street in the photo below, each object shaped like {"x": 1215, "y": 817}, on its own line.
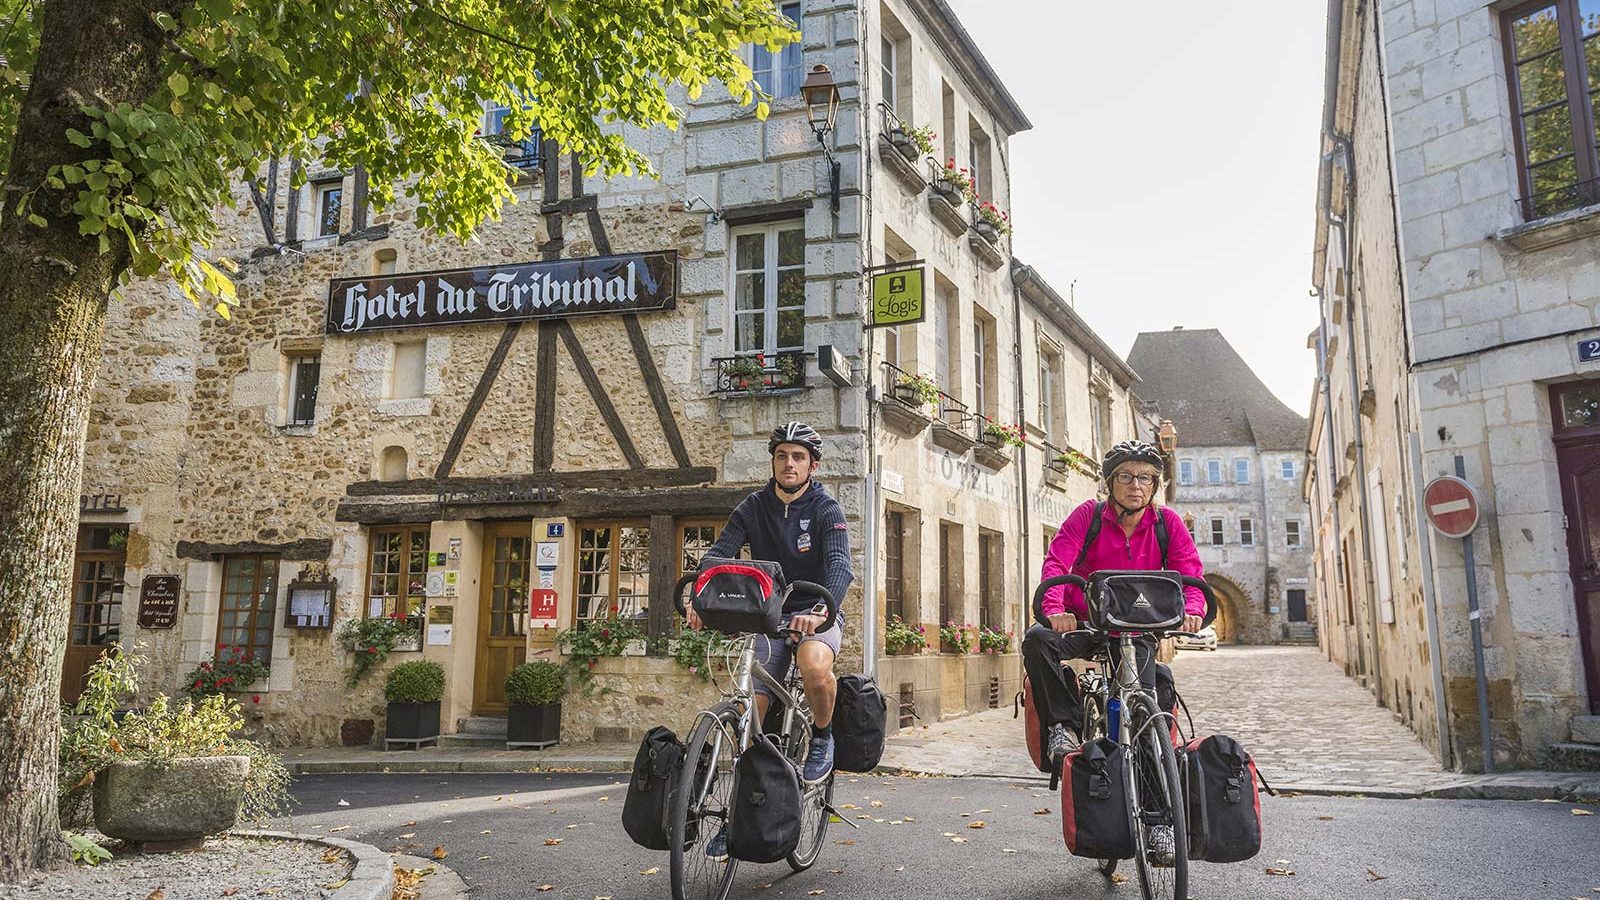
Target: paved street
{"x": 494, "y": 828}
{"x": 1302, "y": 719}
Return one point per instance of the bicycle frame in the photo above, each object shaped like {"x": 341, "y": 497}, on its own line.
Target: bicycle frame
{"x": 742, "y": 692}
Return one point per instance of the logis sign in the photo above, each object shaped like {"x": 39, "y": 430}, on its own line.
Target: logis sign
{"x": 596, "y": 285}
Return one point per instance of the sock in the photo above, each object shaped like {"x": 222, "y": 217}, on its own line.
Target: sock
{"x": 822, "y": 731}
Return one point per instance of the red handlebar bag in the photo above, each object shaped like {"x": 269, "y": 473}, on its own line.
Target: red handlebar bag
{"x": 739, "y": 595}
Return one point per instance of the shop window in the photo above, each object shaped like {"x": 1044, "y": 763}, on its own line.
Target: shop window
{"x": 613, "y": 571}
{"x": 397, "y": 572}
{"x": 249, "y": 602}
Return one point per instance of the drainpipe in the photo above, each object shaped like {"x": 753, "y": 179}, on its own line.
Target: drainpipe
{"x": 1332, "y": 460}
{"x": 1020, "y": 274}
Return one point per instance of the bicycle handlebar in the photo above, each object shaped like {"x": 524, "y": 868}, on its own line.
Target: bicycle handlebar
{"x": 805, "y": 587}
{"x": 1187, "y": 580}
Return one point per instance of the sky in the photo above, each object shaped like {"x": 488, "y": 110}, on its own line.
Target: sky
{"x": 1171, "y": 168}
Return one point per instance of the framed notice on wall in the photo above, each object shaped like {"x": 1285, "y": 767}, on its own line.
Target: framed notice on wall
{"x": 310, "y": 604}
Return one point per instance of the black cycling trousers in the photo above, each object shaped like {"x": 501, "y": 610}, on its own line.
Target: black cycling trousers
{"x": 1055, "y": 687}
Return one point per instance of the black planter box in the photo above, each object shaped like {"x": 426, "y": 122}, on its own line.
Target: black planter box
{"x": 533, "y": 726}
{"x": 411, "y": 723}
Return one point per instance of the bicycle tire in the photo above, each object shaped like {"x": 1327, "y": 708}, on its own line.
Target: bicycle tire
{"x": 814, "y": 798}
{"x": 702, "y": 788}
{"x": 1155, "y": 797}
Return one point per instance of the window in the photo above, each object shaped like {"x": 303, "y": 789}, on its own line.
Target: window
{"x": 1553, "y": 61}
{"x": 780, "y": 76}
{"x": 328, "y": 202}
{"x": 613, "y": 571}
{"x": 97, "y": 585}
{"x": 886, "y": 70}
{"x": 694, "y": 539}
{"x": 1216, "y": 532}
{"x": 950, "y": 582}
{"x": 1286, "y": 470}
{"x": 891, "y": 345}
{"x": 510, "y": 556}
{"x": 991, "y": 576}
{"x": 947, "y": 100}
{"x": 947, "y": 333}
{"x": 397, "y": 572}
{"x": 249, "y": 599}
{"x": 408, "y": 379}
{"x": 1241, "y": 471}
{"x": 894, "y": 582}
{"x": 1247, "y": 533}
{"x": 769, "y": 286}
{"x": 984, "y": 369}
{"x": 1213, "y": 471}
{"x": 1049, "y": 386}
{"x": 1186, "y": 471}
{"x": 304, "y": 373}
{"x": 1291, "y": 534}
{"x": 978, "y": 159}
{"x": 1102, "y": 421}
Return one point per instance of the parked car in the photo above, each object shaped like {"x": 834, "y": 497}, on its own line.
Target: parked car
{"x": 1204, "y": 639}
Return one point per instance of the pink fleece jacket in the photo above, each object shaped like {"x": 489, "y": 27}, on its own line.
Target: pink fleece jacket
{"x": 1114, "y": 550}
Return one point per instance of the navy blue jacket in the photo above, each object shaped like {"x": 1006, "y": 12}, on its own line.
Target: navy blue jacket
{"x": 808, "y": 537}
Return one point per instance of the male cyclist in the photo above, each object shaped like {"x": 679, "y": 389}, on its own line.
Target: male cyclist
{"x": 795, "y": 523}
{"x": 1127, "y": 539}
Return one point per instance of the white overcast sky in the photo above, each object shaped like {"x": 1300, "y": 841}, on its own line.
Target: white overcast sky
{"x": 1171, "y": 169}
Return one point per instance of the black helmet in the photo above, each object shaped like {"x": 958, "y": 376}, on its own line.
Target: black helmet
{"x": 1131, "y": 451}
{"x": 796, "y": 433}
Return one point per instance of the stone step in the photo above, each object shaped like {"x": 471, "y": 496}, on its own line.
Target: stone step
{"x": 473, "y": 741}
{"x": 1586, "y": 729}
{"x": 493, "y": 725}
{"x": 1574, "y": 757}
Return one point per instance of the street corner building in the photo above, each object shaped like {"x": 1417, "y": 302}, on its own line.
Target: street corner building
{"x": 1237, "y": 482}
{"x": 1457, "y": 269}
{"x": 541, "y": 430}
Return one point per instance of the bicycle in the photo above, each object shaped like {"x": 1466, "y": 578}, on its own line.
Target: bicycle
{"x": 1151, "y": 780}
{"x": 701, "y": 801}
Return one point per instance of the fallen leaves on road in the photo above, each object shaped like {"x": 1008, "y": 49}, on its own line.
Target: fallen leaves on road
{"x": 1374, "y": 876}
{"x": 551, "y": 842}
{"x": 440, "y": 853}
{"x": 344, "y": 802}
{"x": 1276, "y": 870}
{"x": 482, "y": 858}
{"x": 816, "y": 893}
{"x": 651, "y": 871}
{"x": 847, "y": 842}
{"x": 604, "y": 799}
{"x": 978, "y": 824}
{"x": 1582, "y": 812}
{"x": 545, "y": 888}
{"x": 332, "y": 855}
{"x": 409, "y": 824}
{"x": 1118, "y": 878}
{"x": 486, "y": 831}
{"x": 408, "y": 836}
{"x": 958, "y": 840}
{"x": 570, "y": 827}
{"x": 849, "y": 806}
{"x": 1041, "y": 812}
{"x": 1324, "y": 818}
{"x": 157, "y": 894}
{"x": 1007, "y": 850}
{"x": 339, "y": 829}
{"x": 408, "y": 883}
{"x": 230, "y": 892}
{"x": 876, "y": 804}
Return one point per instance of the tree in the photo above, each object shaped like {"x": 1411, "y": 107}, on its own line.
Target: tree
{"x": 123, "y": 122}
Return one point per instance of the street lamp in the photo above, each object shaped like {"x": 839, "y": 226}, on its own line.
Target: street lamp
{"x": 1167, "y": 436}
{"x": 822, "y": 110}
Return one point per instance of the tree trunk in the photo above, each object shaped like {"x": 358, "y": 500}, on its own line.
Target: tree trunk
{"x": 54, "y": 286}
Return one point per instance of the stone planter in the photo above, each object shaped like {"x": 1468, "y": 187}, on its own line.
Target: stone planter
{"x": 905, "y": 417}
{"x": 533, "y": 726}
{"x": 957, "y": 441}
{"x": 990, "y": 456}
{"x": 411, "y": 723}
{"x": 904, "y": 651}
{"x": 944, "y": 203}
{"x": 170, "y": 806}
{"x": 987, "y": 231}
{"x": 903, "y": 144}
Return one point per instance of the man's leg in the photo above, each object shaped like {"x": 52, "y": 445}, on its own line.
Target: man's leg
{"x": 816, "y": 670}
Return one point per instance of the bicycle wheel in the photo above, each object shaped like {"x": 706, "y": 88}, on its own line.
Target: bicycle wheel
{"x": 701, "y": 803}
{"x": 814, "y": 798}
{"x": 1155, "y": 800}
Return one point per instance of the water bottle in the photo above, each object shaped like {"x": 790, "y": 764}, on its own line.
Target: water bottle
{"x": 1114, "y": 719}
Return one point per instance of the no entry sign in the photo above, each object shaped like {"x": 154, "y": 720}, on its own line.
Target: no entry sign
{"x": 1452, "y": 506}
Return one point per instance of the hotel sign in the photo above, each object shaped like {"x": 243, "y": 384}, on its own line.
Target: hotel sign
{"x": 596, "y": 285}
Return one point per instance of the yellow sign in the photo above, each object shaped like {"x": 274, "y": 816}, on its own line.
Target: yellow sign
{"x": 897, "y": 298}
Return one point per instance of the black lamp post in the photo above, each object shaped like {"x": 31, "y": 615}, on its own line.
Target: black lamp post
{"x": 822, "y": 110}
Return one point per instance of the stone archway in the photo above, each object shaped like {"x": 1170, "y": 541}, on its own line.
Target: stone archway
{"x": 1232, "y": 600}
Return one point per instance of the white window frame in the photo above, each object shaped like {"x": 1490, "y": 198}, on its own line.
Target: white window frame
{"x": 1292, "y": 541}
{"x": 774, "y": 66}
{"x": 980, "y": 383}
{"x": 888, "y": 64}
{"x": 1241, "y": 471}
{"x": 1247, "y": 532}
{"x": 1286, "y": 469}
{"x": 1050, "y": 380}
{"x": 319, "y": 191}
{"x": 1186, "y": 471}
{"x": 770, "y": 271}
{"x": 1213, "y": 471}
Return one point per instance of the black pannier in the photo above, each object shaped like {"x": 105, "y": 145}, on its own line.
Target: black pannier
{"x": 764, "y": 824}
{"x": 1094, "y": 804}
{"x": 859, "y": 713}
{"x": 1135, "y": 600}
{"x": 1224, "y": 809}
{"x": 739, "y": 596}
{"x": 648, "y": 805}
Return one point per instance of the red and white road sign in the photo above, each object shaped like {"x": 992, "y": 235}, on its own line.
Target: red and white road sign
{"x": 1452, "y": 506}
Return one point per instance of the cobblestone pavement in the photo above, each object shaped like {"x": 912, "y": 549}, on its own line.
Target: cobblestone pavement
{"x": 1299, "y": 716}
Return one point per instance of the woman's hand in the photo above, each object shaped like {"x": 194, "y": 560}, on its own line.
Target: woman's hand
{"x": 1191, "y": 624}
{"x": 1061, "y": 623}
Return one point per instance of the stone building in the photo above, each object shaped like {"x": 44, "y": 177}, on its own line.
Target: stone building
{"x": 433, "y": 429}
{"x": 1240, "y": 458}
{"x": 1459, "y": 346}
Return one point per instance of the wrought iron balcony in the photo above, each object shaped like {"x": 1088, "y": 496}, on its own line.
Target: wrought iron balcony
{"x": 760, "y": 373}
{"x": 521, "y": 155}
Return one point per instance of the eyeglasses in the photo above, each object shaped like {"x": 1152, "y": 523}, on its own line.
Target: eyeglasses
{"x": 1144, "y": 480}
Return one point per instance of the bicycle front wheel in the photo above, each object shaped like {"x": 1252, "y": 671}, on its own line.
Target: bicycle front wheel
{"x": 1155, "y": 804}
{"x": 700, "y": 807}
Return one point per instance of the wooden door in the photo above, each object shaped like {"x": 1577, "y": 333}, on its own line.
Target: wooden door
{"x": 97, "y": 589}
{"x": 1297, "y": 605}
{"x": 502, "y": 613}
{"x": 1577, "y": 437}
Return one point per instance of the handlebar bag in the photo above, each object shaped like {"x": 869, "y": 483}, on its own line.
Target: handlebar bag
{"x": 1135, "y": 601}
{"x": 737, "y": 596}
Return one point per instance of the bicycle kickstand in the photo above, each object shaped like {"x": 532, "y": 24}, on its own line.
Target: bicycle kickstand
{"x": 828, "y": 808}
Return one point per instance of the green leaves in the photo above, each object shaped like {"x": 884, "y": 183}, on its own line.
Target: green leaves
{"x": 178, "y": 84}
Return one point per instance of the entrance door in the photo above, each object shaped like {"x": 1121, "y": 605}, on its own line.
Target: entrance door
{"x": 1577, "y": 437}
{"x": 97, "y": 588}
{"x": 502, "y": 613}
{"x": 1297, "y": 605}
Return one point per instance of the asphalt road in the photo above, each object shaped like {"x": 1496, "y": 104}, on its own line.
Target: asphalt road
{"x": 494, "y": 829}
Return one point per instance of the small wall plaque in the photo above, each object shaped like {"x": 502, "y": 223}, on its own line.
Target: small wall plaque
{"x": 310, "y": 604}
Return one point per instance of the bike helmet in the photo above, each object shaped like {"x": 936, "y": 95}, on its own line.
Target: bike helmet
{"x": 1131, "y": 451}
{"x": 796, "y": 433}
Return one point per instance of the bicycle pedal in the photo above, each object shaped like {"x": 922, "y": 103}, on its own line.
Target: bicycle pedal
{"x": 828, "y": 808}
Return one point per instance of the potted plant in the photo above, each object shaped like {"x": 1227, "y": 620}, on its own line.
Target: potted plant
{"x": 590, "y": 640}
{"x": 744, "y": 373}
{"x": 166, "y": 775}
{"x": 789, "y": 372}
{"x": 953, "y": 184}
{"x": 923, "y": 139}
{"x": 230, "y": 669}
{"x": 900, "y": 137}
{"x": 992, "y": 222}
{"x": 992, "y": 641}
{"x": 902, "y": 639}
{"x": 371, "y": 640}
{"x": 916, "y": 389}
{"x": 693, "y": 650}
{"x": 955, "y": 638}
{"x": 999, "y": 434}
{"x": 534, "y": 692}
{"x": 412, "y": 692}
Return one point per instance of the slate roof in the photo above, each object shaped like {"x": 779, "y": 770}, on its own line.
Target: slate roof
{"x": 1197, "y": 379}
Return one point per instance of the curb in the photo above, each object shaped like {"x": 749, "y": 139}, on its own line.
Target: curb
{"x": 471, "y": 766}
{"x": 443, "y": 883}
{"x": 373, "y": 875}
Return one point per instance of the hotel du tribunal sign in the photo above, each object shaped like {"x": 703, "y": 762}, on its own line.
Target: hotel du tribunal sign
{"x": 596, "y": 285}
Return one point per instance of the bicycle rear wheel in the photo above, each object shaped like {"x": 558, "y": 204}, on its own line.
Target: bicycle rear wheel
{"x": 814, "y": 798}
{"x": 1155, "y": 800}
{"x": 701, "y": 803}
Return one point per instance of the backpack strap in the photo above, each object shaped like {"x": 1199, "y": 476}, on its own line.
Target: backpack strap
{"x": 1162, "y": 538}
{"x": 1092, "y": 533}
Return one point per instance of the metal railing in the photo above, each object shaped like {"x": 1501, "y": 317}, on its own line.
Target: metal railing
{"x": 1553, "y": 201}
{"x": 948, "y": 411}
{"x": 756, "y": 373}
